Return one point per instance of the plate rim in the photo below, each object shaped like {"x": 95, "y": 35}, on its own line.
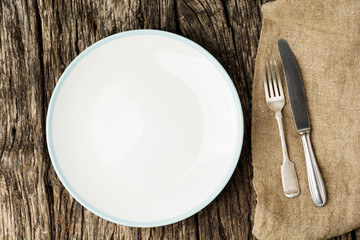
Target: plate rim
{"x": 55, "y": 161}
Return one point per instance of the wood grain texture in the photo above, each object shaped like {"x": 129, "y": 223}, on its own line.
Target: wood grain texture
{"x": 39, "y": 39}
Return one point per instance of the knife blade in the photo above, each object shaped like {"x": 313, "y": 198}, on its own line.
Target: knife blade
{"x": 295, "y": 87}
{"x": 301, "y": 118}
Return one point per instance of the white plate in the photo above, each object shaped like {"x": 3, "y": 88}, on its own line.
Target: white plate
{"x": 144, "y": 128}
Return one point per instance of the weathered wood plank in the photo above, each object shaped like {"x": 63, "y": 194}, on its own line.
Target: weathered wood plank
{"x": 209, "y": 24}
{"x": 23, "y": 197}
{"x": 64, "y": 36}
{"x": 39, "y": 39}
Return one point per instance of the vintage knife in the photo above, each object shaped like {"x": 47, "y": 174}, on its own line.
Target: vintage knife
{"x": 302, "y": 122}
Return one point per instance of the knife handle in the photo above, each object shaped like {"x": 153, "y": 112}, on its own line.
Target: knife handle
{"x": 316, "y": 184}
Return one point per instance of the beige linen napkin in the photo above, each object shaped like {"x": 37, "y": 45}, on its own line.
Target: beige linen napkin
{"x": 325, "y": 38}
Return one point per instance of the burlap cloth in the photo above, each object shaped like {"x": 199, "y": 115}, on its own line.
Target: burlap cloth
{"x": 325, "y": 38}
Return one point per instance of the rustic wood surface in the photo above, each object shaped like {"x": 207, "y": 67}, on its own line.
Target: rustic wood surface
{"x": 39, "y": 39}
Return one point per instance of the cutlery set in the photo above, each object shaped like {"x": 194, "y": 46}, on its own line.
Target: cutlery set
{"x": 275, "y": 100}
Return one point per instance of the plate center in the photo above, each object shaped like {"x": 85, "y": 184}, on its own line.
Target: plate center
{"x": 138, "y": 125}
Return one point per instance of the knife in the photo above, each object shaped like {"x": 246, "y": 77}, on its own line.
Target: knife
{"x": 301, "y": 117}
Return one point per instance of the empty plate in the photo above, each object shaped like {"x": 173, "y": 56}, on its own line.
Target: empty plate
{"x": 144, "y": 128}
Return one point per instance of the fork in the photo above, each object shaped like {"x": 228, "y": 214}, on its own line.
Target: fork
{"x": 275, "y": 100}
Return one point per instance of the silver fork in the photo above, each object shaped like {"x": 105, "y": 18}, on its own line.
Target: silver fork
{"x": 275, "y": 100}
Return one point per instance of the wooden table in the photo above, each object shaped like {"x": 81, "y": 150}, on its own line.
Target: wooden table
{"x": 39, "y": 39}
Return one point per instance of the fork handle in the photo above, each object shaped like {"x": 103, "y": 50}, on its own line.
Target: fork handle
{"x": 288, "y": 173}
{"x": 316, "y": 184}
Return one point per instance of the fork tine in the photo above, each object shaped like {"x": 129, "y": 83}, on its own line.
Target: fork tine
{"x": 271, "y": 87}
{"x": 278, "y": 79}
{"x": 265, "y": 82}
{"x": 276, "y": 90}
